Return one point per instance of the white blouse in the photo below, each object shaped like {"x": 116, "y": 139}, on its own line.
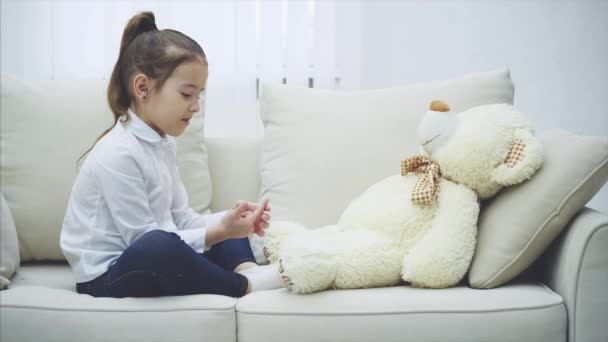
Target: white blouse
{"x": 128, "y": 185}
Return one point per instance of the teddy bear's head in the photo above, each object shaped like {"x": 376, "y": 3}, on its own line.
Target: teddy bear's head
{"x": 484, "y": 148}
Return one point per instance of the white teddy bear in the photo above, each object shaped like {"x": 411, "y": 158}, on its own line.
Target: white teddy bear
{"x": 420, "y": 225}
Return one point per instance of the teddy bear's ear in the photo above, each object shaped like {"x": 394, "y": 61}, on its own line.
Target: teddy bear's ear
{"x": 522, "y": 160}
{"x": 439, "y": 106}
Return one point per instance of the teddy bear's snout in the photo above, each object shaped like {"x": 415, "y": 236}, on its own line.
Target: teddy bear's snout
{"x": 435, "y": 129}
{"x": 436, "y": 126}
{"x": 430, "y": 140}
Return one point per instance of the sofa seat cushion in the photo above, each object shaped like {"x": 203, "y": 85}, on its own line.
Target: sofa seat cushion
{"x": 45, "y": 294}
{"x": 520, "y": 311}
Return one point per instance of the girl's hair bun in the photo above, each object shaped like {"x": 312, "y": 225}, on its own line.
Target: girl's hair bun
{"x": 140, "y": 23}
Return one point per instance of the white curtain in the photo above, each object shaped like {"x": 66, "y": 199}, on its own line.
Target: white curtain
{"x": 305, "y": 42}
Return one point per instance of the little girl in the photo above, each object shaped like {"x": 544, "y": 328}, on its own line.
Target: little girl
{"x": 128, "y": 230}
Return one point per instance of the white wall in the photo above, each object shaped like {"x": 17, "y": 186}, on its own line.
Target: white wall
{"x": 557, "y": 52}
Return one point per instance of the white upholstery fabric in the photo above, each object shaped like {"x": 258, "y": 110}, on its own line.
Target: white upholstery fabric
{"x": 576, "y": 267}
{"x": 9, "y": 245}
{"x": 234, "y": 167}
{"x": 43, "y": 300}
{"x": 515, "y": 312}
{"x": 45, "y": 293}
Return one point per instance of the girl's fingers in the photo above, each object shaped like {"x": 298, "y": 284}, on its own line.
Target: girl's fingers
{"x": 253, "y": 206}
{"x": 263, "y": 221}
{"x": 238, "y": 203}
{"x": 262, "y": 225}
{"x": 259, "y": 210}
{"x": 241, "y": 206}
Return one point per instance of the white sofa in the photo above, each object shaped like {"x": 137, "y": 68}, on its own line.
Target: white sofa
{"x": 562, "y": 297}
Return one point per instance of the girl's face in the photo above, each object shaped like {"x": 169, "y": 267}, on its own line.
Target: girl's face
{"x": 169, "y": 110}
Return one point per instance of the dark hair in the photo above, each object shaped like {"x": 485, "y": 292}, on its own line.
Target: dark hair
{"x": 145, "y": 49}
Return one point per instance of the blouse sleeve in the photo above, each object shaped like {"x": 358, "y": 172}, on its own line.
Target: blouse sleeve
{"x": 122, "y": 185}
{"x": 186, "y": 218}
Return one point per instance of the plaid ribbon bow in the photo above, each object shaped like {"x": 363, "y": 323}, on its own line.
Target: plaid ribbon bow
{"x": 426, "y": 188}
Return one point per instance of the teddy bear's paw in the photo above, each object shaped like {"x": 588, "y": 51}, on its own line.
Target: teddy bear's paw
{"x": 417, "y": 285}
{"x": 425, "y": 278}
{"x": 293, "y": 281}
{"x": 414, "y": 283}
{"x": 305, "y": 278}
{"x": 270, "y": 250}
{"x": 284, "y": 277}
{"x": 266, "y": 253}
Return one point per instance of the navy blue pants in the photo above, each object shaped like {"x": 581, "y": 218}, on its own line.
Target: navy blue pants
{"x": 160, "y": 263}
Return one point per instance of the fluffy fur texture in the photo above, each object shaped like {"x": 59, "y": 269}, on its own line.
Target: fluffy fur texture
{"x": 383, "y": 238}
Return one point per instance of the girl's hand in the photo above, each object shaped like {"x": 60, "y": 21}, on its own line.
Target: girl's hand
{"x": 261, "y": 223}
{"x": 246, "y": 218}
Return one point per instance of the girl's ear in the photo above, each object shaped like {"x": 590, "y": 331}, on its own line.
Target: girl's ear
{"x": 523, "y": 159}
{"x": 141, "y": 85}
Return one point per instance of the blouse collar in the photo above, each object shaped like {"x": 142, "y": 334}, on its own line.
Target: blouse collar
{"x": 143, "y": 131}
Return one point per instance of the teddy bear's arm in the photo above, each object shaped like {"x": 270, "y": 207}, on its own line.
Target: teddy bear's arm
{"x": 442, "y": 257}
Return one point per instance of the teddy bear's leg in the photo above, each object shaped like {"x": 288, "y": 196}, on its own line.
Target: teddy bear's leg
{"x": 443, "y": 256}
{"x": 308, "y": 261}
{"x": 277, "y": 232}
{"x": 368, "y": 260}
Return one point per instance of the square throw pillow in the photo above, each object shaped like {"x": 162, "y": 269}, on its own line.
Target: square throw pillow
{"x": 45, "y": 127}
{"x": 322, "y": 148}
{"x": 9, "y": 245}
{"x": 517, "y": 225}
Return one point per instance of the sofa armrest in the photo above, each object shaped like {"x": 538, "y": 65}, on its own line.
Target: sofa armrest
{"x": 9, "y": 245}
{"x": 576, "y": 267}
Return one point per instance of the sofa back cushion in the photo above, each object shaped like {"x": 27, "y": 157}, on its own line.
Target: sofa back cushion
{"x": 323, "y": 148}
{"x": 518, "y": 225}
{"x": 234, "y": 166}
{"x": 45, "y": 127}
